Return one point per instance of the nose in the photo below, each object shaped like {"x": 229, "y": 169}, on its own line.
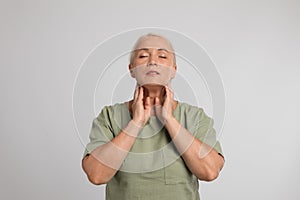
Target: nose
{"x": 152, "y": 60}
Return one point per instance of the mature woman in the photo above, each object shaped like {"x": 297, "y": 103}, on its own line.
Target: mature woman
{"x": 152, "y": 147}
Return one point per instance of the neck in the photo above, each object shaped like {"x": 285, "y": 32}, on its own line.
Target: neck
{"x": 154, "y": 91}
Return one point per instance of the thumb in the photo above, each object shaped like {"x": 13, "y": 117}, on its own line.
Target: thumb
{"x": 147, "y": 103}
{"x": 148, "y": 110}
{"x": 156, "y": 101}
{"x": 157, "y": 106}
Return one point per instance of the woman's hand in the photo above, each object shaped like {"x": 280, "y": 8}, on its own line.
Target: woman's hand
{"x": 165, "y": 112}
{"x": 141, "y": 108}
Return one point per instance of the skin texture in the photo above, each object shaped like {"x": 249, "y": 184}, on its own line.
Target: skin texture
{"x": 203, "y": 161}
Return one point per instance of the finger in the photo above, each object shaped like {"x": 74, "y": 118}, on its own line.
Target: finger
{"x": 147, "y": 102}
{"x": 136, "y": 93}
{"x": 141, "y": 94}
{"x": 156, "y": 101}
{"x": 157, "y": 106}
{"x": 169, "y": 92}
{"x": 168, "y": 100}
{"x": 163, "y": 93}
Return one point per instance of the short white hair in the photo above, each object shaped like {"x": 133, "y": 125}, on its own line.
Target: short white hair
{"x": 143, "y": 37}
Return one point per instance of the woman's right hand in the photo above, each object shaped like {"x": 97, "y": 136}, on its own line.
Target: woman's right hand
{"x": 141, "y": 108}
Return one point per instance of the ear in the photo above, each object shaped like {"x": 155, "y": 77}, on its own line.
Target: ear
{"x": 174, "y": 71}
{"x": 130, "y": 67}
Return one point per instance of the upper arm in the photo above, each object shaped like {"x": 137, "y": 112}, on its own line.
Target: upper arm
{"x": 101, "y": 132}
{"x": 203, "y": 130}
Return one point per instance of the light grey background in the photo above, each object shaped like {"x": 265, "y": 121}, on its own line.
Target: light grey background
{"x": 255, "y": 45}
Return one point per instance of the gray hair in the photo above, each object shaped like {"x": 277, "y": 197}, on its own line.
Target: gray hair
{"x": 143, "y": 37}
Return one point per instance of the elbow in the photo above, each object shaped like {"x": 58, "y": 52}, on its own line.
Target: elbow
{"x": 208, "y": 176}
{"x": 94, "y": 174}
{"x": 97, "y": 177}
{"x": 211, "y": 175}
{"x": 97, "y": 180}
{"x": 211, "y": 171}
{"x": 208, "y": 173}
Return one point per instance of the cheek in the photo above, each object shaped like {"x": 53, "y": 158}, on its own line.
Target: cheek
{"x": 166, "y": 62}
{"x": 138, "y": 62}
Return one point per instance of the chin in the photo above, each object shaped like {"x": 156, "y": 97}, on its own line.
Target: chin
{"x": 153, "y": 85}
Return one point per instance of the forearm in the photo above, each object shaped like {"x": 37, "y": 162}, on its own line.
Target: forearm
{"x": 202, "y": 160}
{"x": 103, "y": 163}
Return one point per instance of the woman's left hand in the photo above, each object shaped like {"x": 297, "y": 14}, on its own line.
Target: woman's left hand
{"x": 165, "y": 112}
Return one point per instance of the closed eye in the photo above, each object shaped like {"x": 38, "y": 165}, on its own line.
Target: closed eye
{"x": 143, "y": 56}
{"x": 164, "y": 57}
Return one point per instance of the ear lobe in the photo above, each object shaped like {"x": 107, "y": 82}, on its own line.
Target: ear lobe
{"x": 132, "y": 73}
{"x": 173, "y": 73}
{"x": 130, "y": 67}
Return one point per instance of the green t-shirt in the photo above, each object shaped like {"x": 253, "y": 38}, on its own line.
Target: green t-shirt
{"x": 153, "y": 168}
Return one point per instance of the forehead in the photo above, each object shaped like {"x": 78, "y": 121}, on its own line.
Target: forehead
{"x": 142, "y": 50}
{"x": 153, "y": 42}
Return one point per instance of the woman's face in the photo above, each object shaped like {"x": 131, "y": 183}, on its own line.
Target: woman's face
{"x": 153, "y": 62}
{"x": 153, "y": 50}
{"x": 151, "y": 56}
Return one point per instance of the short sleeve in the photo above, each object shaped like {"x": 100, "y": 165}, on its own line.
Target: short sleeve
{"x": 202, "y": 127}
{"x": 206, "y": 133}
{"x": 101, "y": 131}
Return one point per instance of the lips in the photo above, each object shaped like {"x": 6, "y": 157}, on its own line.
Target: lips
{"x": 152, "y": 73}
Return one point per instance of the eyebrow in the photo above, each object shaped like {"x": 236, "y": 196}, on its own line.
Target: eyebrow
{"x": 162, "y": 50}
{"x": 147, "y": 49}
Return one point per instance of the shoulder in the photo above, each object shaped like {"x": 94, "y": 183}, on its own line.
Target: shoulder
{"x": 190, "y": 109}
{"x": 109, "y": 110}
{"x": 192, "y": 112}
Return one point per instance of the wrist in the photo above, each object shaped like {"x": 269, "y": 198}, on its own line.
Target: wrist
{"x": 132, "y": 128}
{"x": 169, "y": 120}
{"x": 173, "y": 127}
{"x": 137, "y": 122}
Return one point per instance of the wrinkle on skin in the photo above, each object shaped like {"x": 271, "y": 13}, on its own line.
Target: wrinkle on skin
{"x": 153, "y": 75}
